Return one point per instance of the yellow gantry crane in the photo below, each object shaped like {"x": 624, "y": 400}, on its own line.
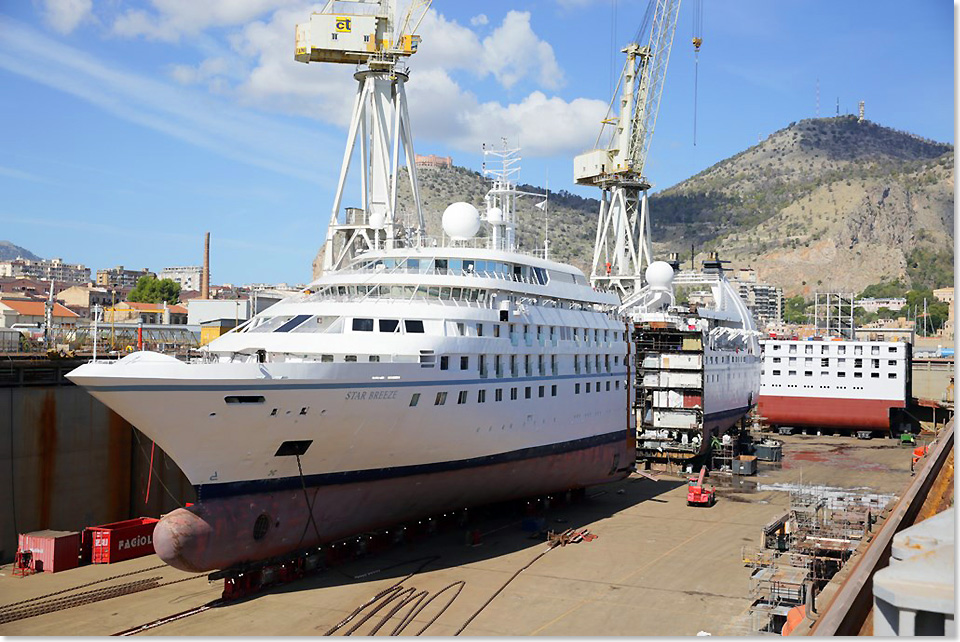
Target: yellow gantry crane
{"x": 622, "y": 248}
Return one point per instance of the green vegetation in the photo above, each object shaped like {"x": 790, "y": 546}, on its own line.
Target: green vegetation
{"x": 795, "y": 309}
{"x": 930, "y": 268}
{"x": 884, "y": 290}
{"x": 152, "y": 290}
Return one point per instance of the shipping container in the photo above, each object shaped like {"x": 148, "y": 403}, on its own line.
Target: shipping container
{"x": 51, "y": 551}
{"x": 122, "y": 540}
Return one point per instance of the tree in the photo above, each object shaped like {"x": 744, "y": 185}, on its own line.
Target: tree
{"x": 152, "y": 290}
{"x": 795, "y": 309}
{"x": 884, "y": 290}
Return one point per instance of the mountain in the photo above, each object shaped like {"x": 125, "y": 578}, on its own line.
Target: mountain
{"x": 9, "y": 251}
{"x": 826, "y": 203}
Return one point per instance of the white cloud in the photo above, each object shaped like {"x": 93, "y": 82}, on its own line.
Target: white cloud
{"x": 66, "y": 15}
{"x": 171, "y": 19}
{"x": 514, "y": 51}
{"x": 10, "y": 172}
{"x": 479, "y": 20}
{"x": 207, "y": 122}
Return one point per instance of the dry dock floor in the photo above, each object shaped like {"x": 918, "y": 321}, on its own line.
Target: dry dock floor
{"x": 658, "y": 567}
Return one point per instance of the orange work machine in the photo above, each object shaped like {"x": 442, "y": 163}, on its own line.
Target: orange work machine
{"x": 698, "y": 494}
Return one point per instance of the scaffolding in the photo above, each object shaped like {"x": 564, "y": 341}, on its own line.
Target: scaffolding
{"x": 833, "y": 314}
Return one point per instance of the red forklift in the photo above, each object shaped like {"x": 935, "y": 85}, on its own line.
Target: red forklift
{"x": 698, "y": 494}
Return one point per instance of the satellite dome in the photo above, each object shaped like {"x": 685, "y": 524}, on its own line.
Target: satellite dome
{"x": 461, "y": 221}
{"x": 494, "y": 215}
{"x": 659, "y": 274}
{"x": 377, "y": 220}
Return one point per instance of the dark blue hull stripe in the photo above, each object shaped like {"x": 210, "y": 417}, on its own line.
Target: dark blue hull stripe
{"x": 263, "y": 386}
{"x": 232, "y": 489}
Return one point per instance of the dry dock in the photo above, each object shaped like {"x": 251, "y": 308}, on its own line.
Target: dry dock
{"x": 657, "y": 567}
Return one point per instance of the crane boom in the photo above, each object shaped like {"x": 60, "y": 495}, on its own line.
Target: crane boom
{"x": 622, "y": 248}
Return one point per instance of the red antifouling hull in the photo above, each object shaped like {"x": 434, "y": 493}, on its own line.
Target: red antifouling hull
{"x": 223, "y": 532}
{"x": 850, "y": 414}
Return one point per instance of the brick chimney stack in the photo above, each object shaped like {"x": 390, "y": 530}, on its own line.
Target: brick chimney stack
{"x": 205, "y": 275}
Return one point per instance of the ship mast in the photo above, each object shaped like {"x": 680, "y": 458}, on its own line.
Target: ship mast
{"x": 364, "y": 33}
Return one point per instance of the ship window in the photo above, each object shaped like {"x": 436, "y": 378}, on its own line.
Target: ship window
{"x": 891, "y": 375}
{"x": 526, "y": 393}
{"x": 608, "y": 386}
{"x": 540, "y": 391}
{"x": 824, "y": 349}
{"x": 598, "y": 386}
{"x": 825, "y": 362}
{"x": 414, "y": 399}
{"x": 776, "y": 346}
{"x": 441, "y": 265}
{"x": 414, "y": 326}
{"x": 244, "y": 399}
{"x": 462, "y": 397}
{"x": 553, "y": 390}
{"x": 857, "y": 349}
{"x": 808, "y": 373}
{"x": 874, "y": 349}
{"x": 874, "y": 375}
{"x": 526, "y": 365}
{"x": 588, "y": 386}
{"x": 616, "y": 360}
{"x": 496, "y": 329}
{"x": 441, "y": 399}
{"x": 350, "y": 358}
{"x": 389, "y": 325}
{"x": 481, "y": 396}
{"x": 326, "y": 358}
{"x": 479, "y": 329}
{"x": 616, "y": 384}
{"x": 841, "y": 349}
{"x": 513, "y": 394}
{"x": 858, "y": 363}
{"x": 576, "y": 388}
{"x": 808, "y": 349}
{"x": 513, "y": 365}
{"x": 808, "y": 360}
{"x": 363, "y": 325}
{"x": 824, "y": 374}
{"x": 892, "y": 349}
{"x": 792, "y": 373}
{"x": 553, "y": 364}
{"x": 842, "y": 374}
{"x": 444, "y": 363}
{"x": 776, "y": 359}
{"x": 891, "y": 362}
{"x": 292, "y": 323}
{"x": 857, "y": 375}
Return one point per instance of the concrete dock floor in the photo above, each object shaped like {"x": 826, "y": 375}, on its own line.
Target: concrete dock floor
{"x": 658, "y": 567}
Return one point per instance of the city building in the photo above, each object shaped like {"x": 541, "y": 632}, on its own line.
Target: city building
{"x": 946, "y": 295}
{"x": 188, "y": 276}
{"x": 81, "y": 298}
{"x": 764, "y": 300}
{"x": 45, "y": 270}
{"x": 149, "y": 313}
{"x": 874, "y": 305}
{"x": 121, "y": 277}
{"x": 430, "y": 161}
{"x": 27, "y": 312}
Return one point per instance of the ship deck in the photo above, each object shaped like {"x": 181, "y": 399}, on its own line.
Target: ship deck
{"x": 657, "y": 567}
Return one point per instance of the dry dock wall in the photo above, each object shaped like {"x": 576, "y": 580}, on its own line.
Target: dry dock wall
{"x": 67, "y": 461}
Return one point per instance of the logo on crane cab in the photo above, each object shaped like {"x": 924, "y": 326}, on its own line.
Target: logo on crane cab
{"x": 342, "y": 25}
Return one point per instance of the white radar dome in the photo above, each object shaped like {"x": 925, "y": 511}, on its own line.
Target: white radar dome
{"x": 659, "y": 274}
{"x": 461, "y": 221}
{"x": 378, "y": 220}
{"x": 494, "y": 215}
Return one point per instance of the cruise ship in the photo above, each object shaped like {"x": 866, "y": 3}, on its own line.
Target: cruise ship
{"x": 697, "y": 363}
{"x": 834, "y": 383}
{"x": 415, "y": 376}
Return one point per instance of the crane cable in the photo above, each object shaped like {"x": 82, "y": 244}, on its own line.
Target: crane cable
{"x": 697, "y": 40}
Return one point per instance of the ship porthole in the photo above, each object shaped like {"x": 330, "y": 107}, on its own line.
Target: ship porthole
{"x": 260, "y": 527}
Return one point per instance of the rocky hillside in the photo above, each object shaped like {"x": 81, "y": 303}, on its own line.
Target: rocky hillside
{"x": 824, "y": 203}
{"x": 9, "y": 252}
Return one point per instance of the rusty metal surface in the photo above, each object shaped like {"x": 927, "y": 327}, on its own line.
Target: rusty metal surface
{"x": 847, "y": 611}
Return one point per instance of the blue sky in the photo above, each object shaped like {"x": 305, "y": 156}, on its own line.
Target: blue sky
{"x": 128, "y": 129}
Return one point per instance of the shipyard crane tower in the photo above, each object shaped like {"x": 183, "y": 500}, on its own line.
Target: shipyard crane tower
{"x": 622, "y": 247}
{"x": 365, "y": 33}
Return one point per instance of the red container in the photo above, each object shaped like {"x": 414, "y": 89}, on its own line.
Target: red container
{"x": 51, "y": 551}
{"x": 122, "y": 540}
